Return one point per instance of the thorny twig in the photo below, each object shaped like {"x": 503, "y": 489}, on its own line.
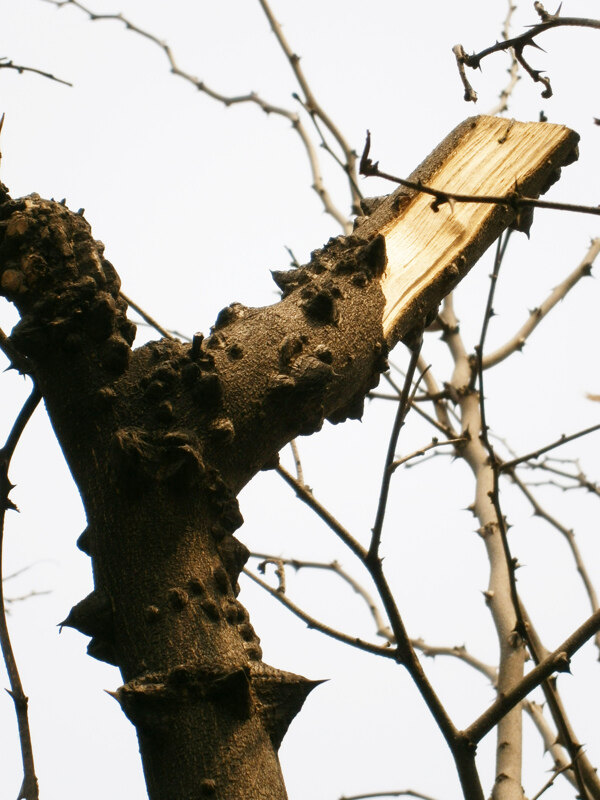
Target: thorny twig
{"x": 513, "y": 70}
{"x": 580, "y": 480}
{"x": 146, "y": 317}
{"x": 29, "y": 786}
{"x": 317, "y": 625}
{"x": 513, "y": 200}
{"x": 403, "y": 408}
{"x": 557, "y": 661}
{"x": 518, "y": 44}
{"x": 17, "y": 360}
{"x": 517, "y": 341}
{"x": 381, "y": 627}
{"x": 569, "y": 535}
{"x": 421, "y": 452}
{"x": 403, "y": 651}
{"x": 507, "y": 466}
{"x": 551, "y": 780}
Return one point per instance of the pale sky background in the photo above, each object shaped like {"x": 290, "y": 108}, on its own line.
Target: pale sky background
{"x": 195, "y": 204}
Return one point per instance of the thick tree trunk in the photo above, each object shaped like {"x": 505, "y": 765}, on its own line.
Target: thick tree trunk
{"x": 161, "y": 439}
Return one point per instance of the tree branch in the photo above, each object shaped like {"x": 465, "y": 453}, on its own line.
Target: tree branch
{"x": 29, "y": 787}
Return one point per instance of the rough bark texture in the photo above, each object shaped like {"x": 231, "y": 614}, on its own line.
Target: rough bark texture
{"x": 160, "y": 441}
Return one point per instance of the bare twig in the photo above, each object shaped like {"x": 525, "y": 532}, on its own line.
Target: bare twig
{"x": 354, "y": 641}
{"x": 513, "y": 70}
{"x": 333, "y": 566}
{"x": 304, "y": 494}
{"x": 311, "y": 105}
{"x": 517, "y": 341}
{"x": 230, "y": 100}
{"x": 513, "y": 200}
{"x": 146, "y": 317}
{"x": 388, "y": 470}
{"x": 509, "y": 465}
{"x": 557, "y": 661}
{"x": 421, "y": 452}
{"x": 6, "y": 63}
{"x": 403, "y": 652}
{"x": 29, "y": 786}
{"x": 550, "y": 782}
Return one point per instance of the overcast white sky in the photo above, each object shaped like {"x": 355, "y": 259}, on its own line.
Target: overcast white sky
{"x": 195, "y": 204}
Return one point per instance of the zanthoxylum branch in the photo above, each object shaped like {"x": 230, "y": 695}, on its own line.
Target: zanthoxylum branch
{"x": 513, "y": 71}
{"x": 388, "y": 470}
{"x": 557, "y": 661}
{"x": 569, "y": 535}
{"x": 29, "y": 786}
{"x": 317, "y": 625}
{"x": 402, "y": 651}
{"x": 522, "y": 628}
{"x": 517, "y": 341}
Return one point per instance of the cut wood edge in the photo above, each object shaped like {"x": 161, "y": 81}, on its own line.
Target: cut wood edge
{"x": 429, "y": 252}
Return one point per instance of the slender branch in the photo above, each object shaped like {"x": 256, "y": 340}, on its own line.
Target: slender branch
{"x": 513, "y": 200}
{"x": 550, "y": 740}
{"x": 388, "y": 470}
{"x": 146, "y": 317}
{"x": 304, "y": 494}
{"x": 570, "y": 537}
{"x": 513, "y": 70}
{"x": 517, "y": 341}
{"x": 558, "y": 661}
{"x": 585, "y": 774}
{"x": 378, "y": 650}
{"x": 434, "y": 443}
{"x": 440, "y": 426}
{"x": 459, "y": 652}
{"x": 580, "y": 480}
{"x": 333, "y": 566}
{"x": 29, "y": 786}
{"x": 509, "y": 465}
{"x": 6, "y": 63}
{"x": 550, "y": 781}
{"x": 404, "y": 653}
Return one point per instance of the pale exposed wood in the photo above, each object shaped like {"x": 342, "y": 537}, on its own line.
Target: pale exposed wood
{"x": 429, "y": 252}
